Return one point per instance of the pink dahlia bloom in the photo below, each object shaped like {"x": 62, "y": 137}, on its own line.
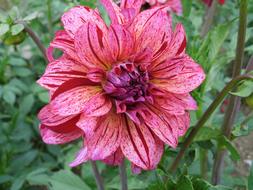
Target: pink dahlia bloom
{"x": 209, "y": 2}
{"x": 174, "y": 5}
{"x": 123, "y": 88}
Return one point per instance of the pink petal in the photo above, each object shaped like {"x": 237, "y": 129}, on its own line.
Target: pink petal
{"x": 77, "y": 16}
{"x": 181, "y": 76}
{"x": 144, "y": 19}
{"x": 169, "y": 49}
{"x": 106, "y": 137}
{"x": 57, "y": 123}
{"x": 114, "y": 11}
{"x": 75, "y": 100}
{"x": 152, "y": 30}
{"x": 51, "y": 137}
{"x": 141, "y": 146}
{"x": 63, "y": 42}
{"x": 91, "y": 45}
{"x": 161, "y": 123}
{"x": 87, "y": 125}
{"x": 60, "y": 71}
{"x": 114, "y": 159}
{"x": 81, "y": 157}
{"x": 121, "y": 42}
{"x": 175, "y": 104}
{"x": 136, "y": 4}
{"x": 183, "y": 123}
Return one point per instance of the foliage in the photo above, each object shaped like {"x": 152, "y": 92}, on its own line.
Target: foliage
{"x": 27, "y": 163}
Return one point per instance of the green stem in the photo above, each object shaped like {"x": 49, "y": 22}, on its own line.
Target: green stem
{"x": 234, "y": 102}
{"x": 123, "y": 176}
{"x": 49, "y": 16}
{"x": 98, "y": 178}
{"x": 206, "y": 116}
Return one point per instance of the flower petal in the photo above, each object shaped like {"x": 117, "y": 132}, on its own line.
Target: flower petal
{"x": 181, "y": 75}
{"x": 141, "y": 146}
{"x": 121, "y": 42}
{"x": 106, "y": 137}
{"x": 92, "y": 46}
{"x": 60, "y": 71}
{"x": 57, "y": 123}
{"x": 51, "y": 137}
{"x": 114, "y": 159}
{"x": 161, "y": 123}
{"x": 81, "y": 157}
{"x": 63, "y": 42}
{"x": 113, "y": 11}
{"x": 77, "y": 16}
{"x": 152, "y": 29}
{"x": 75, "y": 100}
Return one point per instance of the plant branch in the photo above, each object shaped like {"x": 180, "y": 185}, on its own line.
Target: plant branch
{"x": 36, "y": 40}
{"x": 234, "y": 102}
{"x": 206, "y": 116}
{"x": 97, "y": 176}
{"x": 208, "y": 20}
{"x": 123, "y": 175}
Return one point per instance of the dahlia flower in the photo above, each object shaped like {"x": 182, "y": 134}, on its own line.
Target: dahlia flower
{"x": 209, "y": 2}
{"x": 124, "y": 88}
{"x": 174, "y": 5}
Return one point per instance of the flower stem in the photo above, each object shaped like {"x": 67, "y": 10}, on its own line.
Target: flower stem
{"x": 208, "y": 20}
{"x": 206, "y": 116}
{"x": 234, "y": 102}
{"x": 98, "y": 177}
{"x": 36, "y": 40}
{"x": 123, "y": 175}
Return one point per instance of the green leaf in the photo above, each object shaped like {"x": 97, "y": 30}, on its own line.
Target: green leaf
{"x": 9, "y": 97}
{"x": 234, "y": 154}
{"x": 17, "y": 61}
{"x": 200, "y": 184}
{"x": 26, "y": 104}
{"x": 65, "y": 179}
{"x": 4, "y": 28}
{"x": 14, "y": 13}
{"x": 5, "y": 178}
{"x": 245, "y": 89}
{"x": 16, "y": 29}
{"x": 22, "y": 71}
{"x": 18, "y": 183}
{"x": 31, "y": 16}
{"x": 38, "y": 177}
{"x": 207, "y": 133}
{"x": 44, "y": 97}
{"x": 250, "y": 179}
{"x": 187, "y": 5}
{"x": 184, "y": 183}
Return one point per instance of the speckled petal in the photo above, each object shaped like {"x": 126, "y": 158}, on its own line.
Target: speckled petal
{"x": 51, "y": 137}
{"x": 141, "y": 146}
{"x": 77, "y": 16}
{"x": 81, "y": 157}
{"x": 106, "y": 137}
{"x": 60, "y": 71}
{"x": 92, "y": 46}
{"x": 114, "y": 159}
{"x": 75, "y": 100}
{"x": 181, "y": 76}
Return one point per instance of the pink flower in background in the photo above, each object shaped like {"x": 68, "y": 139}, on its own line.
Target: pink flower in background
{"x": 173, "y": 5}
{"x": 123, "y": 88}
{"x": 209, "y": 2}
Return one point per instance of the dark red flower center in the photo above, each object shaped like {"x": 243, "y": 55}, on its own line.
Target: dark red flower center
{"x": 128, "y": 85}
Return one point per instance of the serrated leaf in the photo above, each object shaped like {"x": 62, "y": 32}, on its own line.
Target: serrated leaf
{"x": 16, "y": 29}
{"x": 245, "y": 89}
{"x": 31, "y": 16}
{"x": 4, "y": 28}
{"x": 9, "y": 97}
{"x": 207, "y": 133}
{"x": 14, "y": 61}
{"x": 65, "y": 179}
{"x": 22, "y": 71}
{"x": 26, "y": 104}
{"x": 18, "y": 183}
{"x": 14, "y": 13}
{"x": 184, "y": 183}
{"x": 234, "y": 154}
{"x": 44, "y": 97}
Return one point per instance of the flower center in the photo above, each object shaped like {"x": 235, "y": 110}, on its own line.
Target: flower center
{"x": 127, "y": 85}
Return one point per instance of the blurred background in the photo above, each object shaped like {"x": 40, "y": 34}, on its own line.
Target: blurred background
{"x": 26, "y": 163}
